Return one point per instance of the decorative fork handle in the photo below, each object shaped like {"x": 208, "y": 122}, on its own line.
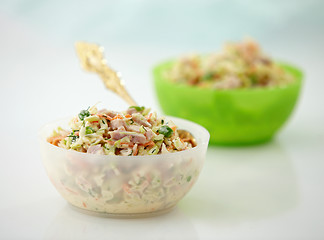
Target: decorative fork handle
{"x": 92, "y": 60}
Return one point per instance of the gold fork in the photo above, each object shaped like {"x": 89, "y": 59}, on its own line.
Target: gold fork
{"x": 92, "y": 60}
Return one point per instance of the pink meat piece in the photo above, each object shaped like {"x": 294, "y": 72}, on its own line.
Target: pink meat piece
{"x": 141, "y": 120}
{"x": 130, "y": 111}
{"x": 117, "y": 123}
{"x": 109, "y": 113}
{"x": 149, "y": 134}
{"x": 134, "y": 137}
{"x": 96, "y": 149}
{"x": 138, "y": 138}
{"x": 133, "y": 128}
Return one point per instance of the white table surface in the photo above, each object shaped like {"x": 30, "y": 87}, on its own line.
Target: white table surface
{"x": 269, "y": 191}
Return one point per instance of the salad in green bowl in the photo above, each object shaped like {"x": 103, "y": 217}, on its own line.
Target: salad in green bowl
{"x": 240, "y": 95}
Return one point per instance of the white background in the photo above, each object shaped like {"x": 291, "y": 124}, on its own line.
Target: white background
{"x": 271, "y": 191}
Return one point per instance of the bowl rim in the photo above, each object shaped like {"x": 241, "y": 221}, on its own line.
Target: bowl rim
{"x": 202, "y": 143}
{"x": 291, "y": 68}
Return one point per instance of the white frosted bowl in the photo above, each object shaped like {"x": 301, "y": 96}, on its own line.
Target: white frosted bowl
{"x": 124, "y": 186}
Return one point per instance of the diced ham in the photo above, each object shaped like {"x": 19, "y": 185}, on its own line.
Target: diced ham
{"x": 138, "y": 138}
{"x": 109, "y": 113}
{"x": 130, "y": 111}
{"x": 116, "y": 135}
{"x": 141, "y": 120}
{"x": 133, "y": 128}
{"x": 134, "y": 137}
{"x": 121, "y": 128}
{"x": 96, "y": 149}
{"x": 117, "y": 123}
{"x": 149, "y": 134}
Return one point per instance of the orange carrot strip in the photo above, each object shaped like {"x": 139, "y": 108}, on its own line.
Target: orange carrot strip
{"x": 135, "y": 152}
{"x": 117, "y": 117}
{"x": 55, "y": 140}
{"x": 69, "y": 190}
{"x": 169, "y": 148}
{"x": 130, "y": 144}
{"x": 126, "y": 188}
{"x": 150, "y": 143}
{"x": 149, "y": 117}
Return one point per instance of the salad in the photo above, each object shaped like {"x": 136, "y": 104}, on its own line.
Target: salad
{"x": 238, "y": 65}
{"x": 136, "y": 131}
{"x": 122, "y": 184}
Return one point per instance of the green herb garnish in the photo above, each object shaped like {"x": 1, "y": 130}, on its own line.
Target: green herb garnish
{"x": 74, "y": 137}
{"x": 89, "y": 130}
{"x": 83, "y": 114}
{"x": 208, "y": 76}
{"x": 165, "y": 130}
{"x": 188, "y": 179}
{"x": 254, "y": 79}
{"x": 138, "y": 108}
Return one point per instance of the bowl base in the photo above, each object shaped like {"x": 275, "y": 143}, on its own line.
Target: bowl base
{"x": 122, "y": 215}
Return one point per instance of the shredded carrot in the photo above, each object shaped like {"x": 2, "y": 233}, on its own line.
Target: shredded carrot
{"x": 150, "y": 143}
{"x": 149, "y": 117}
{"x": 126, "y": 188}
{"x": 71, "y": 191}
{"x": 117, "y": 117}
{"x": 135, "y": 152}
{"x": 84, "y": 205}
{"x": 130, "y": 144}
{"x": 55, "y": 140}
{"x": 128, "y": 116}
{"x": 174, "y": 128}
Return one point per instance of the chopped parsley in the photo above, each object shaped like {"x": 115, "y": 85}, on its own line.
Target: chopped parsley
{"x": 138, "y": 108}
{"x": 165, "y": 130}
{"x": 89, "y": 130}
{"x": 188, "y": 179}
{"x": 83, "y": 114}
{"x": 74, "y": 137}
{"x": 208, "y": 76}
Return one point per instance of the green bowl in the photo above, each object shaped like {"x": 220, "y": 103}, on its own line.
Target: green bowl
{"x": 233, "y": 117}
